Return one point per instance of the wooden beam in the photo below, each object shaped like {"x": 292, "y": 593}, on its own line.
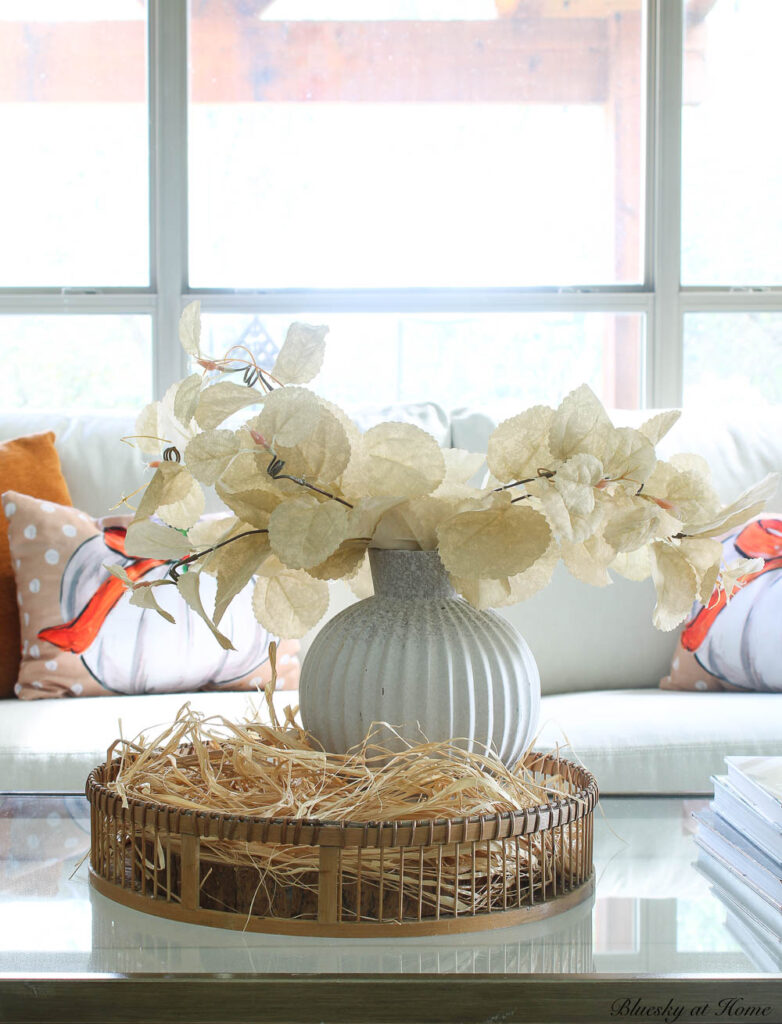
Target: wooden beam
{"x": 73, "y": 62}
{"x": 518, "y": 61}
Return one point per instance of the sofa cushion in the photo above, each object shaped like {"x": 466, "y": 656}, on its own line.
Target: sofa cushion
{"x": 657, "y": 741}
{"x": 99, "y": 468}
{"x": 28, "y": 464}
{"x": 51, "y": 746}
{"x": 81, "y": 635}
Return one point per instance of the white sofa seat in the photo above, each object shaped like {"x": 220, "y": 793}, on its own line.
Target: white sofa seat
{"x": 634, "y": 741}
{"x": 659, "y": 741}
{"x": 50, "y": 746}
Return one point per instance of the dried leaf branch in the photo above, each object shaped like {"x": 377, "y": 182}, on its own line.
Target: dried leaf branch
{"x": 300, "y": 473}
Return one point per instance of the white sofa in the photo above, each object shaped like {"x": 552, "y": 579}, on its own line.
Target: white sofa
{"x": 600, "y": 659}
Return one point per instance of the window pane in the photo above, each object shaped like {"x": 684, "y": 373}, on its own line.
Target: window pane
{"x": 338, "y": 143}
{"x": 74, "y": 125}
{"x": 732, "y": 359}
{"x": 731, "y": 149}
{"x": 76, "y": 363}
{"x": 498, "y": 363}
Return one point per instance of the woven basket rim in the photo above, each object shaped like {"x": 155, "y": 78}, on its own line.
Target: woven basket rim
{"x": 581, "y": 803}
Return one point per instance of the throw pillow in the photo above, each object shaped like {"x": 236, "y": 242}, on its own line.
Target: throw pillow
{"x": 736, "y": 643}
{"x": 82, "y": 637}
{"x": 30, "y": 465}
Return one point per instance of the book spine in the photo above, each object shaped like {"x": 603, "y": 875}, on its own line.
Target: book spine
{"x": 768, "y": 804}
{"x": 747, "y": 820}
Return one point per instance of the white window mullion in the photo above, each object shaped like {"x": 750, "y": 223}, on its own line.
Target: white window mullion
{"x": 666, "y": 52}
{"x": 731, "y": 300}
{"x": 463, "y": 300}
{"x": 76, "y": 301}
{"x": 168, "y": 181}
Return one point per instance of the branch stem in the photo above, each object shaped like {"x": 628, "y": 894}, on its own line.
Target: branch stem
{"x": 173, "y": 572}
{"x": 312, "y": 487}
{"x": 275, "y": 467}
{"x": 544, "y": 474}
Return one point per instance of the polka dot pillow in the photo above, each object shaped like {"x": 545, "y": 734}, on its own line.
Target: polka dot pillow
{"x": 80, "y": 636}
{"x": 734, "y": 642}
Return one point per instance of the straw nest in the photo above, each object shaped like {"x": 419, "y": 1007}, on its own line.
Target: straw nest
{"x": 276, "y": 769}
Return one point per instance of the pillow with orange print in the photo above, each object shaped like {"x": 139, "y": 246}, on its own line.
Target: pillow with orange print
{"x": 734, "y": 642}
{"x": 82, "y": 637}
{"x": 30, "y": 465}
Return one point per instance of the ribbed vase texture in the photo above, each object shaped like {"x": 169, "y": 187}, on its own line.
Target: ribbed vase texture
{"x": 420, "y": 658}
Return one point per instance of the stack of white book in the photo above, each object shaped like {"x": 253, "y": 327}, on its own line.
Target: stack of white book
{"x": 740, "y": 852}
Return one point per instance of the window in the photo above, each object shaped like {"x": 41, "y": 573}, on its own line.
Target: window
{"x": 74, "y": 120}
{"x": 88, "y": 363}
{"x": 431, "y": 145}
{"x": 488, "y": 201}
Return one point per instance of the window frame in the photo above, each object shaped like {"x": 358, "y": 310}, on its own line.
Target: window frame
{"x": 660, "y": 298}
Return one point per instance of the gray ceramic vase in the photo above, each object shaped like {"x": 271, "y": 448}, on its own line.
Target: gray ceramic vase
{"x": 420, "y": 658}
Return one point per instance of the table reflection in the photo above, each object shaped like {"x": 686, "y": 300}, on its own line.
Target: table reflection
{"x": 654, "y": 913}
{"x": 127, "y": 941}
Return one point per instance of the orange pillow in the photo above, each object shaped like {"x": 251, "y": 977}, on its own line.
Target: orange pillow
{"x": 30, "y": 465}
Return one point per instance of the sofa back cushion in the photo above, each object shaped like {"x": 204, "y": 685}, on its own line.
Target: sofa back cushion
{"x": 29, "y": 464}
{"x": 99, "y": 468}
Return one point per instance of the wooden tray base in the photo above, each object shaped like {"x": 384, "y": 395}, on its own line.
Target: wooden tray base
{"x": 346, "y": 929}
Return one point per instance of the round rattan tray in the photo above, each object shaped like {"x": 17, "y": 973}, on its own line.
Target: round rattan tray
{"x": 304, "y": 877}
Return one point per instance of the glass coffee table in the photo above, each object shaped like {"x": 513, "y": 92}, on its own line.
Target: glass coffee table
{"x": 656, "y": 943}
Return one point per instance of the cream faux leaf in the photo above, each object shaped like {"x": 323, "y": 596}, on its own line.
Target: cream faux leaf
{"x": 518, "y": 447}
{"x": 676, "y": 585}
{"x": 190, "y": 329}
{"x": 301, "y": 355}
{"x": 589, "y": 560}
{"x": 210, "y": 453}
{"x": 580, "y": 424}
{"x": 658, "y": 426}
{"x": 733, "y": 576}
{"x": 493, "y": 543}
{"x": 288, "y": 416}
{"x": 219, "y": 401}
{"x": 147, "y": 539}
{"x": 186, "y": 397}
{"x": 395, "y": 460}
{"x": 304, "y": 531}
{"x": 508, "y": 590}
{"x": 324, "y": 454}
{"x": 235, "y": 565}
{"x": 748, "y": 505}
{"x": 174, "y": 495}
{"x": 144, "y": 597}
{"x": 287, "y": 601}
{"x": 189, "y": 584}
